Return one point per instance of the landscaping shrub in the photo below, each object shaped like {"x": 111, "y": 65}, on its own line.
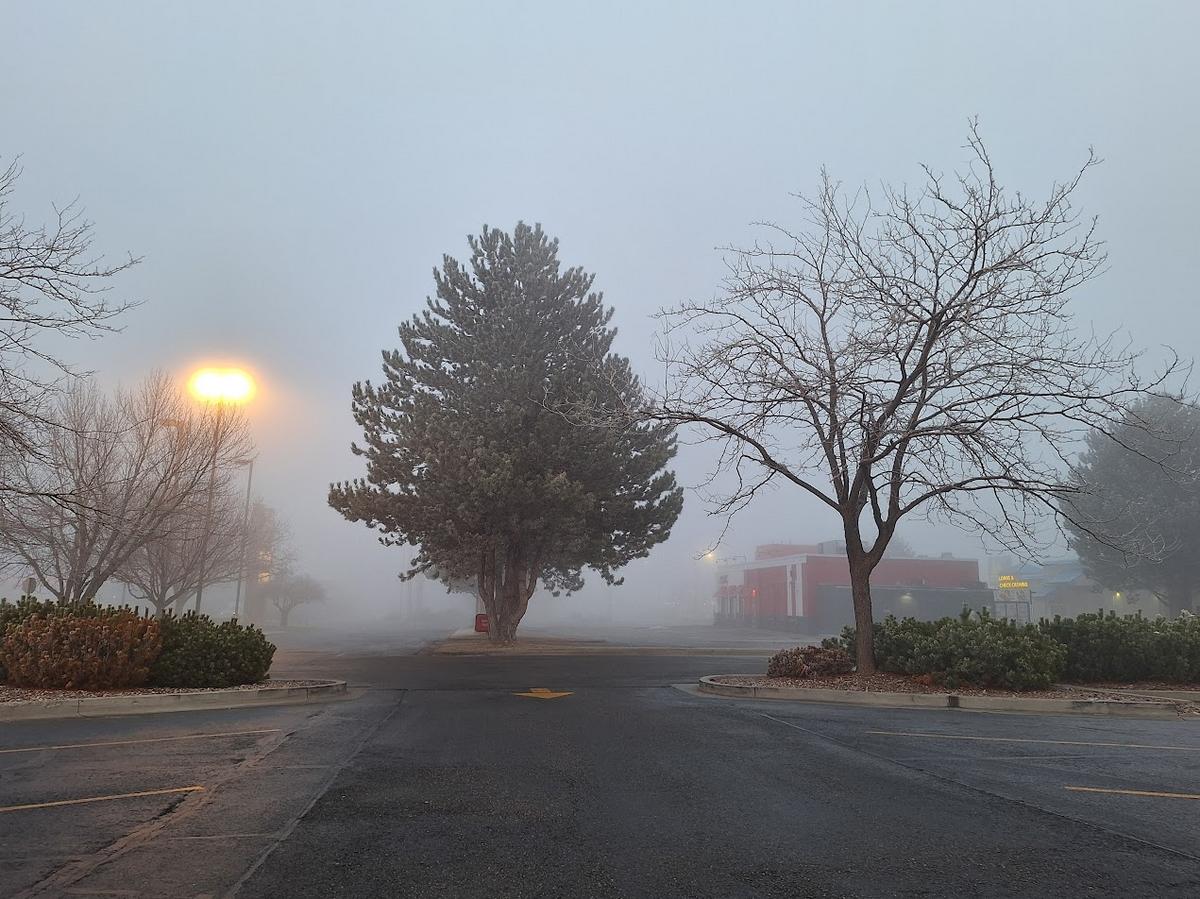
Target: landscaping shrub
{"x": 896, "y": 641}
{"x": 1109, "y": 647}
{"x": 199, "y": 652}
{"x": 14, "y": 613}
{"x": 81, "y": 652}
{"x": 810, "y": 661}
{"x": 973, "y": 649}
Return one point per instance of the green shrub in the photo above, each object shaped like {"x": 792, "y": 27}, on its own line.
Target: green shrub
{"x": 810, "y": 661}
{"x": 80, "y": 652}
{"x": 973, "y": 649}
{"x": 199, "y": 652}
{"x": 1109, "y": 647}
{"x": 896, "y": 641}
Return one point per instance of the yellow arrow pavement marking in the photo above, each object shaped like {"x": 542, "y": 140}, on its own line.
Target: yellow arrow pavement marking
{"x": 1152, "y": 793}
{"x": 543, "y": 693}
{"x": 31, "y": 805}
{"x": 231, "y": 733}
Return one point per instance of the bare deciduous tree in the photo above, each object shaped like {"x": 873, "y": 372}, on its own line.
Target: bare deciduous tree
{"x": 269, "y": 558}
{"x": 911, "y": 352}
{"x": 166, "y": 570}
{"x": 292, "y": 590}
{"x": 51, "y": 282}
{"x": 127, "y": 465}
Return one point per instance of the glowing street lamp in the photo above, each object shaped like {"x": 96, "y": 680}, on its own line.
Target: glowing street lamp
{"x": 222, "y": 385}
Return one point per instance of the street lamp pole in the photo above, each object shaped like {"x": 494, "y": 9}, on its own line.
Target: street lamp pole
{"x": 237, "y": 602}
{"x": 220, "y": 386}
{"x": 212, "y": 489}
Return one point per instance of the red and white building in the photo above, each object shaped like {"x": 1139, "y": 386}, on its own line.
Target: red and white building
{"x": 806, "y": 588}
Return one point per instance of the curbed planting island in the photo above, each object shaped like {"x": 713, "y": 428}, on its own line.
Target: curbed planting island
{"x": 65, "y": 659}
{"x": 1129, "y": 666}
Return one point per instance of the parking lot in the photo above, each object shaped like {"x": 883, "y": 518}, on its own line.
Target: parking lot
{"x": 621, "y": 785}
{"x": 177, "y": 804}
{"x": 1126, "y": 776}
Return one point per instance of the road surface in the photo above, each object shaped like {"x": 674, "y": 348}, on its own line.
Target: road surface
{"x": 445, "y": 777}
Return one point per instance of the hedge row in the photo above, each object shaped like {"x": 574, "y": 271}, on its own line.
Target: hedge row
{"x": 972, "y": 649}
{"x": 86, "y": 646}
{"x": 1124, "y": 649}
{"x": 983, "y": 651}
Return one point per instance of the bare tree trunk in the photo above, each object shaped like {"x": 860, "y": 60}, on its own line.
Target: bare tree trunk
{"x": 864, "y": 618}
{"x": 283, "y": 617}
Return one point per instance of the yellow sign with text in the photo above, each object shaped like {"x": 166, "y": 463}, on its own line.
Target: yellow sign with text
{"x": 1011, "y": 582}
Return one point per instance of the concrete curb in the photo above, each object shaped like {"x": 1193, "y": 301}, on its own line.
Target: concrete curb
{"x": 149, "y": 703}
{"x": 478, "y": 645}
{"x": 1102, "y": 707}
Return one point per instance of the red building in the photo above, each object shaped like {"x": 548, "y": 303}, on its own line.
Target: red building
{"x": 807, "y": 588}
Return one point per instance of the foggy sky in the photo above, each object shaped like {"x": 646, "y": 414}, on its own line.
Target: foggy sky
{"x": 291, "y": 172}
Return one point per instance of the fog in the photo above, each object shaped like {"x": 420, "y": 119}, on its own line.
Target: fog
{"x": 290, "y": 174}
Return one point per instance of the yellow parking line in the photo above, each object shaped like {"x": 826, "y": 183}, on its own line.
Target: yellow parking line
{"x": 901, "y": 733}
{"x": 1153, "y": 793}
{"x": 32, "y": 805}
{"x": 234, "y": 733}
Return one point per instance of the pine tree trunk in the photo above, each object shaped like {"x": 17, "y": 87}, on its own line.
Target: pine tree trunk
{"x": 505, "y": 615}
{"x": 864, "y": 618}
{"x": 507, "y": 600}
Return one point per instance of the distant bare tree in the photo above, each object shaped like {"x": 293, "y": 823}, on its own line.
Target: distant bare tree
{"x": 51, "y": 282}
{"x": 269, "y": 558}
{"x": 166, "y": 570}
{"x": 128, "y": 464}
{"x": 292, "y": 590}
{"x": 910, "y": 352}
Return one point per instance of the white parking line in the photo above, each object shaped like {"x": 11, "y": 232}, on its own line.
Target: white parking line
{"x": 930, "y": 736}
{"x": 233, "y": 733}
{"x": 33, "y": 805}
{"x": 1152, "y": 793}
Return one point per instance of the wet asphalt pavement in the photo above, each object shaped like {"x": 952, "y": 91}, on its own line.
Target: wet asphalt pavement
{"x": 438, "y": 780}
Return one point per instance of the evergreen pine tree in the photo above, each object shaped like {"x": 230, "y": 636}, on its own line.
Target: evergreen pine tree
{"x": 471, "y": 452}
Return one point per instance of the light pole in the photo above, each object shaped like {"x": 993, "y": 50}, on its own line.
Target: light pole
{"x": 221, "y": 387}
{"x": 237, "y": 601}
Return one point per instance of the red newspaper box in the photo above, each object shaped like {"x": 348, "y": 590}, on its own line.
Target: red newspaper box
{"x": 481, "y": 623}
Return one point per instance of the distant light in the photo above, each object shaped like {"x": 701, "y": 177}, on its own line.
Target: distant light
{"x": 710, "y": 555}
{"x": 222, "y": 385}
{"x": 1117, "y": 595}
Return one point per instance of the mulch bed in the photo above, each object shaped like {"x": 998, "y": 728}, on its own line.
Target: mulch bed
{"x": 30, "y": 694}
{"x": 903, "y": 683}
{"x": 1145, "y": 686}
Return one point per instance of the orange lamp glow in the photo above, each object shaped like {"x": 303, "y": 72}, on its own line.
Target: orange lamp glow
{"x": 222, "y": 385}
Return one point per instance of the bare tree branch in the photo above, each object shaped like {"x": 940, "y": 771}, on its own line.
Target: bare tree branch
{"x": 911, "y": 354}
